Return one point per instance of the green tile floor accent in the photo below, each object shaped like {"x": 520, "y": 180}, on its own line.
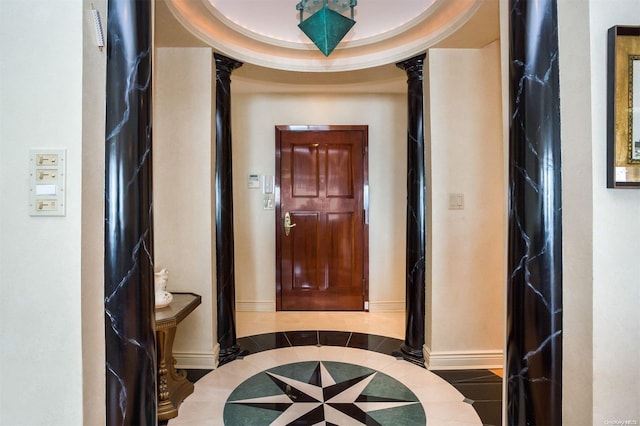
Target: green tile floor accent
{"x": 345, "y": 391}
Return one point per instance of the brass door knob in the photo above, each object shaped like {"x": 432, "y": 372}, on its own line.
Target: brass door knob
{"x": 287, "y": 224}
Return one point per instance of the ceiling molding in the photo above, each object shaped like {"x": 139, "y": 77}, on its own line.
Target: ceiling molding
{"x": 430, "y": 27}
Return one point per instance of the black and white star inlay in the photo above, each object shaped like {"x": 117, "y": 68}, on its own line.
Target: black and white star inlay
{"x": 350, "y": 396}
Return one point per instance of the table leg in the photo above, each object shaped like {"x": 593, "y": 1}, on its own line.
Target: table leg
{"x": 173, "y": 386}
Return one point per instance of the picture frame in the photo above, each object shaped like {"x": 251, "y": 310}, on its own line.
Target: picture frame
{"x": 623, "y": 107}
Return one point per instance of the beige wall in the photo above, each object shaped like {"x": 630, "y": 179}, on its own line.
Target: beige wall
{"x": 467, "y": 259}
{"x": 41, "y": 366}
{"x": 254, "y": 118}
{"x": 182, "y": 190}
{"x": 466, "y": 157}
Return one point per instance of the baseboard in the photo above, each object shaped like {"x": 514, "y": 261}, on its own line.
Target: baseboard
{"x": 255, "y": 306}
{"x": 388, "y": 306}
{"x": 462, "y": 360}
{"x": 198, "y": 360}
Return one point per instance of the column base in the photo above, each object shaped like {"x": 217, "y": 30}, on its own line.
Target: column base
{"x": 229, "y": 354}
{"x": 414, "y": 356}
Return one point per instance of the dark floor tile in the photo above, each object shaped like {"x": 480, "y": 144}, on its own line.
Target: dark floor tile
{"x": 468, "y": 376}
{"x": 365, "y": 341}
{"x": 371, "y": 342}
{"x": 193, "y": 375}
{"x": 334, "y": 338}
{"x": 302, "y": 338}
{"x": 481, "y": 386}
{"x": 480, "y": 391}
{"x": 490, "y": 412}
{"x": 250, "y": 345}
{"x": 389, "y": 345}
{"x": 264, "y": 342}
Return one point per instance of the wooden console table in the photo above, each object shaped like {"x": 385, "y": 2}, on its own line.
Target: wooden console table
{"x": 173, "y": 386}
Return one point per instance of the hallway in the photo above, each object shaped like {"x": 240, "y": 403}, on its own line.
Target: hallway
{"x": 302, "y": 368}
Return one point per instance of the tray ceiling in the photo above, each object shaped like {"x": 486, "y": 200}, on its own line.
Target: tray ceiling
{"x": 266, "y": 34}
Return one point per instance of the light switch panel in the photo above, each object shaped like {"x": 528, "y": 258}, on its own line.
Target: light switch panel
{"x": 47, "y": 182}
{"x": 46, "y": 175}
{"x": 47, "y": 158}
{"x": 456, "y": 201}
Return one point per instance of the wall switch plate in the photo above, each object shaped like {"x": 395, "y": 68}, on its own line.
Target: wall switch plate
{"x": 268, "y": 202}
{"x": 47, "y": 182}
{"x": 456, "y": 201}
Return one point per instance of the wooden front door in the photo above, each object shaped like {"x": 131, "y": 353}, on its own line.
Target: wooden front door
{"x": 321, "y": 229}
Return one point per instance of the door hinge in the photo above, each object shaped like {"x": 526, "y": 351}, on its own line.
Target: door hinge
{"x": 366, "y": 306}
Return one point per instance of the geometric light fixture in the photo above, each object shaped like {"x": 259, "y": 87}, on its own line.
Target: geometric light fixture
{"x": 326, "y": 25}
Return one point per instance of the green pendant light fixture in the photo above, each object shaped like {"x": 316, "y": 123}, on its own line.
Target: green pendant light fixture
{"x": 326, "y": 25}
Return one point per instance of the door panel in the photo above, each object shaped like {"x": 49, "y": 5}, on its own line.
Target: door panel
{"x": 320, "y": 176}
{"x": 305, "y": 260}
{"x": 341, "y": 251}
{"x": 305, "y": 174}
{"x": 339, "y": 171}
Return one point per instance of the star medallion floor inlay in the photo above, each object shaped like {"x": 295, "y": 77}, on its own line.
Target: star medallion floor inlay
{"x": 324, "y": 385}
{"x": 314, "y": 392}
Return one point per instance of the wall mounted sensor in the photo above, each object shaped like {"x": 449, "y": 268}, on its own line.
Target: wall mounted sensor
{"x": 98, "y": 24}
{"x": 267, "y": 184}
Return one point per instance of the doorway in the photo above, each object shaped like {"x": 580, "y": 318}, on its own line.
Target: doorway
{"x": 321, "y": 218}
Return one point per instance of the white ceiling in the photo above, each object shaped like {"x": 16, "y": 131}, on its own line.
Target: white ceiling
{"x": 265, "y": 33}
{"x": 278, "y": 19}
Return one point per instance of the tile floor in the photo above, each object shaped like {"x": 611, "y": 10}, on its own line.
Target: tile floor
{"x": 334, "y": 369}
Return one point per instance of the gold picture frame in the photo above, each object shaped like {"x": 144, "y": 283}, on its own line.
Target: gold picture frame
{"x": 623, "y": 108}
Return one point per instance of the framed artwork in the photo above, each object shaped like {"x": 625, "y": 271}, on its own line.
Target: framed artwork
{"x": 623, "y": 107}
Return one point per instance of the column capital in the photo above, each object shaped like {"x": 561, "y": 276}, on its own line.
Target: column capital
{"x": 413, "y": 65}
{"x": 225, "y": 64}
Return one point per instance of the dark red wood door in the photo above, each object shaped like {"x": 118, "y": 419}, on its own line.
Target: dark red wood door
{"x": 320, "y": 217}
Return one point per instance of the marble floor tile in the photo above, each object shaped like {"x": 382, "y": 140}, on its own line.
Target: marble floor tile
{"x": 391, "y": 324}
{"x": 349, "y": 387}
{"x": 281, "y": 344}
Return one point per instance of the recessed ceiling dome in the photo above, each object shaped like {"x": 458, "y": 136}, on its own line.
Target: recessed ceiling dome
{"x": 266, "y": 33}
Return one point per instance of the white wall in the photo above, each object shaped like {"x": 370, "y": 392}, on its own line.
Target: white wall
{"x": 254, "y": 117}
{"x": 601, "y": 228}
{"x": 92, "y": 275}
{"x": 40, "y": 292}
{"x": 577, "y": 209}
{"x": 467, "y": 262}
{"x": 616, "y": 246}
{"x": 182, "y": 190}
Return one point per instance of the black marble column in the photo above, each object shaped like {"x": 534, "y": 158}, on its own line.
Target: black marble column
{"x": 534, "y": 287}
{"x": 128, "y": 263}
{"x": 225, "y": 273}
{"x": 416, "y": 208}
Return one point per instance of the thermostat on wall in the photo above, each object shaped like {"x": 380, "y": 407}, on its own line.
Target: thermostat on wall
{"x": 254, "y": 181}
